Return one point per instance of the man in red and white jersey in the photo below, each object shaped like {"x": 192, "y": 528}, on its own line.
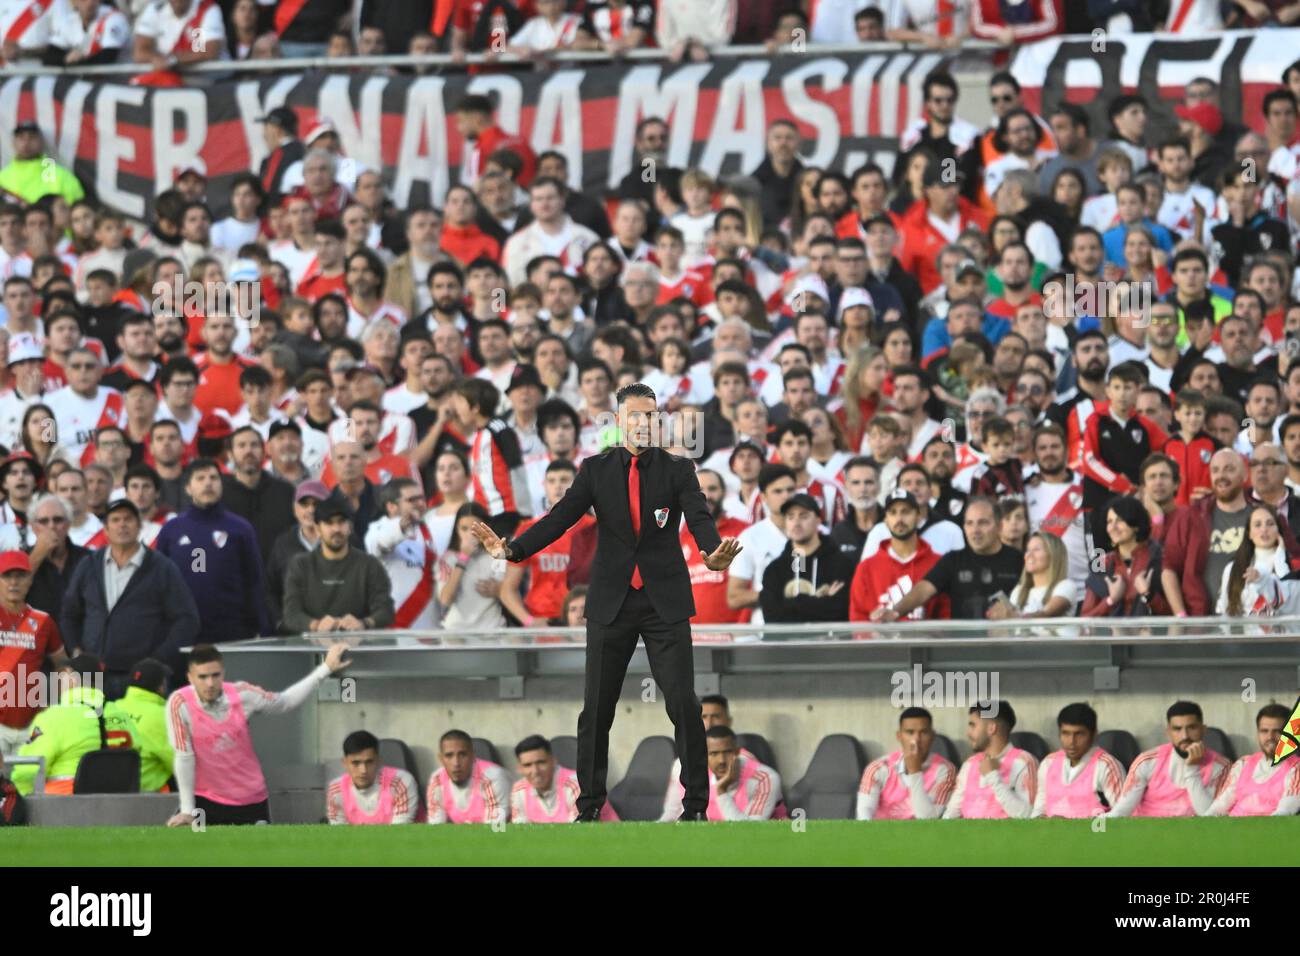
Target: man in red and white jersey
{"x": 381, "y": 466}
{"x": 409, "y": 394}
{"x": 89, "y": 32}
{"x": 1091, "y": 357}
{"x": 396, "y": 432}
{"x": 26, "y": 26}
{"x": 1256, "y": 786}
{"x": 913, "y": 782}
{"x": 482, "y": 137}
{"x": 999, "y": 781}
{"x": 498, "y": 480}
{"x": 1079, "y": 780}
{"x": 937, "y": 24}
{"x": 364, "y": 276}
{"x": 548, "y": 569}
{"x": 1054, "y": 498}
{"x": 710, "y": 587}
{"x": 1176, "y": 779}
{"x": 675, "y": 280}
{"x": 325, "y": 272}
{"x": 546, "y": 792}
{"x": 369, "y": 792}
{"x": 403, "y": 541}
{"x": 84, "y": 529}
{"x": 220, "y": 366}
{"x": 466, "y": 788}
{"x": 180, "y": 32}
{"x": 884, "y": 578}
{"x": 83, "y": 406}
{"x": 216, "y": 769}
{"x": 28, "y": 640}
{"x": 793, "y": 445}
{"x": 298, "y": 251}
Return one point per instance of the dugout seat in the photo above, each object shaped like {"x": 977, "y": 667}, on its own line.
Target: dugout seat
{"x": 297, "y": 776}
{"x": 640, "y": 794}
{"x": 829, "y": 787}
{"x": 485, "y": 750}
{"x": 1029, "y": 741}
{"x": 1216, "y": 739}
{"x": 565, "y": 750}
{"x": 108, "y": 771}
{"x": 757, "y": 745}
{"x": 1121, "y": 745}
{"x": 944, "y": 747}
{"x": 393, "y": 752}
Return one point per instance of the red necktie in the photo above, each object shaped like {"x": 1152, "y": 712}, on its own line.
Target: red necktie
{"x": 634, "y": 503}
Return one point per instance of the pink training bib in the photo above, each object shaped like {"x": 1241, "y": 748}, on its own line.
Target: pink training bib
{"x": 476, "y": 811}
{"x": 979, "y": 802}
{"x": 1164, "y": 798}
{"x": 895, "y": 799}
{"x": 226, "y": 769}
{"x": 563, "y": 812}
{"x": 383, "y": 812}
{"x": 1258, "y": 799}
{"x": 748, "y": 769}
{"x": 1078, "y": 798}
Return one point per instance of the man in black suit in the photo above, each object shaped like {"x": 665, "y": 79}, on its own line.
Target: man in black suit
{"x": 640, "y": 494}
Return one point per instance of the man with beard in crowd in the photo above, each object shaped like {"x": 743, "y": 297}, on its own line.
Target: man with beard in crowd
{"x": 1091, "y": 358}
{"x": 887, "y": 576}
{"x": 861, "y": 490}
{"x": 1054, "y": 499}
{"x": 809, "y": 580}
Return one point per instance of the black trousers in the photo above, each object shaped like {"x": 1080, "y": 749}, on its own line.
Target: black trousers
{"x": 219, "y": 814}
{"x": 609, "y": 649}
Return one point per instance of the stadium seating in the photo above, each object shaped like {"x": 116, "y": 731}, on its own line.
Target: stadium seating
{"x": 1029, "y": 741}
{"x": 1121, "y": 745}
{"x": 1217, "y": 740}
{"x": 394, "y": 752}
{"x": 565, "y": 749}
{"x": 484, "y": 749}
{"x": 829, "y": 786}
{"x": 944, "y": 747}
{"x": 108, "y": 771}
{"x": 757, "y": 745}
{"x": 640, "y": 794}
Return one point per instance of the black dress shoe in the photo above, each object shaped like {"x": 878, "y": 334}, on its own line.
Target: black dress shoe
{"x": 588, "y": 816}
{"x": 692, "y": 815}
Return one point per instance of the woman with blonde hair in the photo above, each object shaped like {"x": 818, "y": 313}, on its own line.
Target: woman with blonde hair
{"x": 1044, "y": 589}
{"x": 862, "y": 393}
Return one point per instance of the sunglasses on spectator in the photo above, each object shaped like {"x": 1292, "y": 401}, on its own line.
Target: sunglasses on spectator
{"x": 1034, "y": 389}
{"x": 55, "y": 520}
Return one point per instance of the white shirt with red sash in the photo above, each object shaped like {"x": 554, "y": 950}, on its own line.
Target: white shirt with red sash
{"x": 1057, "y": 508}
{"x": 194, "y": 30}
{"x": 108, "y": 29}
{"x": 78, "y": 417}
{"x": 409, "y": 558}
{"x": 28, "y": 23}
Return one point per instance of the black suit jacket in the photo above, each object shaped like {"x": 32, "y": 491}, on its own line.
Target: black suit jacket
{"x": 668, "y": 483}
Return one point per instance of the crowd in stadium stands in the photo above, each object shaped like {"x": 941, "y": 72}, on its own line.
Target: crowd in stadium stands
{"x": 169, "y": 35}
{"x": 1032, "y": 370}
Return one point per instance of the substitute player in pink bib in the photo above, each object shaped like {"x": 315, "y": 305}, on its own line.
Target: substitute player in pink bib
{"x": 546, "y": 792}
{"x": 740, "y": 787}
{"x": 466, "y": 789}
{"x": 912, "y": 783}
{"x": 1080, "y": 779}
{"x": 1255, "y": 787}
{"x": 216, "y": 769}
{"x": 370, "y": 793}
{"x": 1177, "y": 779}
{"x": 998, "y": 781}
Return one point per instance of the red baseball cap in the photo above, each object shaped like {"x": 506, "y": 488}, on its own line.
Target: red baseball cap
{"x": 1204, "y": 115}
{"x": 14, "y": 561}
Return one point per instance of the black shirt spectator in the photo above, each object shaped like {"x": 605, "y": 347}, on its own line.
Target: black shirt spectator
{"x": 267, "y": 506}
{"x": 50, "y": 582}
{"x": 970, "y": 580}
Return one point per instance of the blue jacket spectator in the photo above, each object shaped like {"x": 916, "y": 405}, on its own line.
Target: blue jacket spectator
{"x": 219, "y": 558}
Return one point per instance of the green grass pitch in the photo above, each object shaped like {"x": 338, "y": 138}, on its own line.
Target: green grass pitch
{"x": 1201, "y": 842}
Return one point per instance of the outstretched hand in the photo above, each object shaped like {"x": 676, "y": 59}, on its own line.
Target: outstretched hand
{"x": 493, "y": 543}
{"x": 723, "y": 555}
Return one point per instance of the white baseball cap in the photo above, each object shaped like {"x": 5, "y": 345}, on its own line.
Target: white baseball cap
{"x": 852, "y": 296}
{"x": 810, "y": 283}
{"x": 23, "y": 347}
